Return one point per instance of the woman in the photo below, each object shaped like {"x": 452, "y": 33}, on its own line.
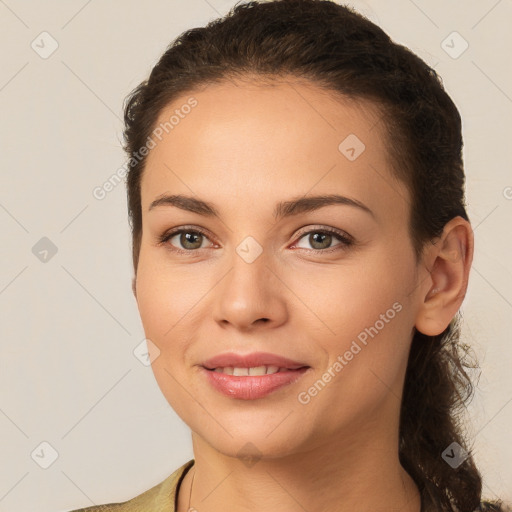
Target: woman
{"x": 301, "y": 251}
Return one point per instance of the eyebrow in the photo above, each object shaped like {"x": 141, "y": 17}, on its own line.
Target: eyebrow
{"x": 282, "y": 209}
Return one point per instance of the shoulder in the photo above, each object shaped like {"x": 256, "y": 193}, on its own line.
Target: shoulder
{"x": 160, "y": 498}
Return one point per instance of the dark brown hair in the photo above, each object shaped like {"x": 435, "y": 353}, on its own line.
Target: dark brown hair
{"x": 339, "y": 50}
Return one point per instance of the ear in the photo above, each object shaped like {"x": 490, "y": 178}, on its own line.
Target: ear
{"x": 449, "y": 259}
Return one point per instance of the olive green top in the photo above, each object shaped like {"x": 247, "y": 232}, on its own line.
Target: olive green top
{"x": 162, "y": 497}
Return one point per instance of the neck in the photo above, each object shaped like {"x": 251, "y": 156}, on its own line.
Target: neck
{"x": 350, "y": 476}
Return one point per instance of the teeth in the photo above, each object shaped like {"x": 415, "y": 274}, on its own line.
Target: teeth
{"x": 246, "y": 372}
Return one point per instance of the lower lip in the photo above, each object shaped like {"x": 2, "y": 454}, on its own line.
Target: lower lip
{"x": 251, "y": 388}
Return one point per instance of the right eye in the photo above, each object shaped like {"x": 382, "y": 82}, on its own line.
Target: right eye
{"x": 189, "y": 239}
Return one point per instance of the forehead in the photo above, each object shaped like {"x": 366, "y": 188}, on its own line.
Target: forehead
{"x": 263, "y": 139}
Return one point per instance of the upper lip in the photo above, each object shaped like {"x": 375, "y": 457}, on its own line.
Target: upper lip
{"x": 231, "y": 359}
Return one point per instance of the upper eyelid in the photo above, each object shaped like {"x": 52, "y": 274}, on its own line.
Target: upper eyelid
{"x": 319, "y": 228}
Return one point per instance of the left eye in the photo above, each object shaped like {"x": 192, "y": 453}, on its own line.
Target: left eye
{"x": 321, "y": 239}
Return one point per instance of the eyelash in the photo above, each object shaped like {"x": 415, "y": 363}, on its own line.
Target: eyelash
{"x": 346, "y": 240}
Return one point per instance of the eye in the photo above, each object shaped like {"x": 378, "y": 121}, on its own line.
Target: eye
{"x": 190, "y": 239}
{"x": 321, "y": 239}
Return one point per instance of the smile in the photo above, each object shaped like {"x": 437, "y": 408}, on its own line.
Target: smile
{"x": 252, "y": 383}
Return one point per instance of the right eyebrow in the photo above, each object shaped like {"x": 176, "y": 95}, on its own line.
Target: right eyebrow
{"x": 188, "y": 203}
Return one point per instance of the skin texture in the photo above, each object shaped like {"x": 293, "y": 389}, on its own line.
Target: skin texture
{"x": 245, "y": 147}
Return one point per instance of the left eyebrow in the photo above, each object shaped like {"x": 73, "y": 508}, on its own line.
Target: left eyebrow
{"x": 282, "y": 209}
{"x": 311, "y": 203}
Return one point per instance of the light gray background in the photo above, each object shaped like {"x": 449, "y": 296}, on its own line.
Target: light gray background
{"x": 68, "y": 375}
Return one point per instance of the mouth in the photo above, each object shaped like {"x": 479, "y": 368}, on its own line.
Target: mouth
{"x": 254, "y": 363}
{"x": 253, "y": 371}
{"x": 251, "y": 376}
{"x": 243, "y": 384}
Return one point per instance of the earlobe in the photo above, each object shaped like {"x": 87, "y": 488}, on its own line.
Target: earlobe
{"x": 447, "y": 283}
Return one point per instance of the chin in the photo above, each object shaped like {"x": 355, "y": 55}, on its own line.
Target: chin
{"x": 251, "y": 444}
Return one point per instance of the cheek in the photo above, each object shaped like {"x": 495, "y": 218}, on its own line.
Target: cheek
{"x": 348, "y": 298}
{"x": 166, "y": 307}
{"x": 369, "y": 325}
{"x": 175, "y": 310}
{"x": 365, "y": 313}
{"x": 166, "y": 297}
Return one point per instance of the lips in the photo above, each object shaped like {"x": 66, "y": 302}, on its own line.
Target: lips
{"x": 253, "y": 388}
{"x": 252, "y": 360}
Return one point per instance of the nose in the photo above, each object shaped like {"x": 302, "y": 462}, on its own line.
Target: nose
{"x": 251, "y": 295}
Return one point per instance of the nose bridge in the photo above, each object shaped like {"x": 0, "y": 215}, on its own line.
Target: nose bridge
{"x": 250, "y": 272}
{"x": 249, "y": 291}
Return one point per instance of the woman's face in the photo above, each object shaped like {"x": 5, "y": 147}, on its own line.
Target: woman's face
{"x": 250, "y": 281}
